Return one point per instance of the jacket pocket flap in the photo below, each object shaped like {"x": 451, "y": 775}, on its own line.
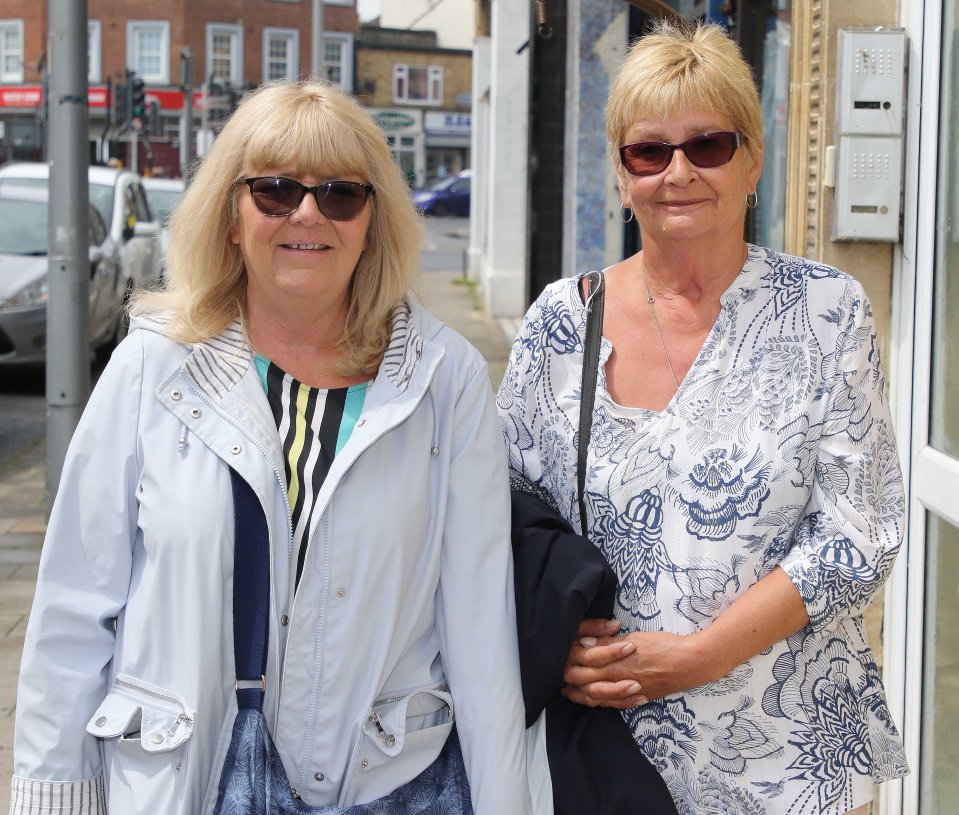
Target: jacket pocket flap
{"x": 391, "y": 720}
{"x": 137, "y": 710}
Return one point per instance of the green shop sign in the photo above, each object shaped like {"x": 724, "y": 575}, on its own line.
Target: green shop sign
{"x": 394, "y": 121}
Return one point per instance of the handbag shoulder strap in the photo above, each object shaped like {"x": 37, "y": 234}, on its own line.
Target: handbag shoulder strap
{"x": 251, "y": 594}
{"x": 594, "y": 333}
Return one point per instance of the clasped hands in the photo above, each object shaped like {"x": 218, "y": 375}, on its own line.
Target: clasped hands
{"x": 606, "y": 670}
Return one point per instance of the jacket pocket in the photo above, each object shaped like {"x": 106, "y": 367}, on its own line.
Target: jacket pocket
{"x": 145, "y": 731}
{"x": 402, "y": 735}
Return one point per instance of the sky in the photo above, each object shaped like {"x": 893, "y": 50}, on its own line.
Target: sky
{"x": 368, "y": 9}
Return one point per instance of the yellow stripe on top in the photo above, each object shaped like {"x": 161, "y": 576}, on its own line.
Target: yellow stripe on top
{"x": 299, "y": 440}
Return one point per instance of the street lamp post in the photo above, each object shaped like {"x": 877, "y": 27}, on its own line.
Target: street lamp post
{"x": 316, "y": 42}
{"x": 68, "y": 316}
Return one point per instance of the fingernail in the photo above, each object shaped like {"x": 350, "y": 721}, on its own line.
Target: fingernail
{"x": 627, "y": 649}
{"x": 588, "y": 642}
{"x": 612, "y": 625}
{"x": 635, "y": 688}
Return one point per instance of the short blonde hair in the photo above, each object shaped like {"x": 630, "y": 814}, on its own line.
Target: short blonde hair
{"x": 678, "y": 66}
{"x": 316, "y": 129}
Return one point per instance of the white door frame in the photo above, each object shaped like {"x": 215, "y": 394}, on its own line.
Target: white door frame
{"x": 931, "y": 477}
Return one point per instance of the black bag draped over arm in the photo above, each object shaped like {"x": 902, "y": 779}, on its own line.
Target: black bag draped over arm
{"x": 561, "y": 578}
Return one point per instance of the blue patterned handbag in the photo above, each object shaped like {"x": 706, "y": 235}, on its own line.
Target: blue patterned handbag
{"x": 253, "y": 780}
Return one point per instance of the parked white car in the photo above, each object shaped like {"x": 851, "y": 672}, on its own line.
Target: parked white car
{"x": 24, "y": 285}
{"x": 119, "y": 197}
{"x": 163, "y": 195}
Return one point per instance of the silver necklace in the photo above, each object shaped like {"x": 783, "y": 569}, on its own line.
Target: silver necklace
{"x": 652, "y": 307}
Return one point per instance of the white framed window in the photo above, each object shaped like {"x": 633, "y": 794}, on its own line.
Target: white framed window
{"x": 224, "y": 53}
{"x": 148, "y": 50}
{"x": 94, "y": 66}
{"x": 418, "y": 84}
{"x": 11, "y": 50}
{"x": 338, "y": 58}
{"x": 281, "y": 53}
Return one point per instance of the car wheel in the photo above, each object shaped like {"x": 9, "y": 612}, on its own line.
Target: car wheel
{"x": 440, "y": 210}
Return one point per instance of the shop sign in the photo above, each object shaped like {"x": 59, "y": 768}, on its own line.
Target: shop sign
{"x": 394, "y": 120}
{"x": 31, "y": 96}
{"x": 21, "y": 96}
{"x": 448, "y": 124}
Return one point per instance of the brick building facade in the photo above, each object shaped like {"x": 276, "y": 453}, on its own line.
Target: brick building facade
{"x": 236, "y": 44}
{"x": 420, "y": 94}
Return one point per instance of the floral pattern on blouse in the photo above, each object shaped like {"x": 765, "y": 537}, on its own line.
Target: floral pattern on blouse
{"x": 777, "y": 449}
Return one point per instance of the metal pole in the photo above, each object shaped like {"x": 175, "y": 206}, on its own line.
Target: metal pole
{"x": 316, "y": 42}
{"x": 135, "y": 150}
{"x": 68, "y": 316}
{"x": 186, "y": 121}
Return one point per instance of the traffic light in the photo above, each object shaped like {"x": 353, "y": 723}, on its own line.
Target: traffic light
{"x": 137, "y": 97}
{"x": 121, "y": 104}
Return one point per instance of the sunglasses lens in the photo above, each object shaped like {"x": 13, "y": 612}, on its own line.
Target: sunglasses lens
{"x": 711, "y": 150}
{"x": 341, "y": 200}
{"x": 276, "y": 196}
{"x": 652, "y": 157}
{"x": 646, "y": 158}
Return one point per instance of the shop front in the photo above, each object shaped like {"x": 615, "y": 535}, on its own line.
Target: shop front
{"x": 447, "y": 141}
{"x": 404, "y": 132}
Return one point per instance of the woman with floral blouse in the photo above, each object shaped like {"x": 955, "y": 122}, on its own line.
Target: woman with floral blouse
{"x": 742, "y": 476}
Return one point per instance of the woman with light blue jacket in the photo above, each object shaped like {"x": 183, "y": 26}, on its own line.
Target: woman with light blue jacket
{"x": 282, "y": 383}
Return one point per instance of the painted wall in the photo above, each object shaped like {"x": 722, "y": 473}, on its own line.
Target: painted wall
{"x": 452, "y": 20}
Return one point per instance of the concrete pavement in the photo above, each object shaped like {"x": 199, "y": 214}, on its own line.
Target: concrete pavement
{"x": 22, "y": 510}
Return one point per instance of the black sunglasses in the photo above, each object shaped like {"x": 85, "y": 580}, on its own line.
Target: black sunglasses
{"x": 337, "y": 200}
{"x": 651, "y": 157}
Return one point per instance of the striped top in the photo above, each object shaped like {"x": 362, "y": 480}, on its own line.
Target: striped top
{"x": 314, "y": 424}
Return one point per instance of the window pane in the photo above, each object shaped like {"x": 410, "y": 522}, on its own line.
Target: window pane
{"x": 418, "y": 83}
{"x": 221, "y": 59}
{"x": 944, "y": 419}
{"x": 149, "y": 52}
{"x": 276, "y": 63}
{"x": 333, "y": 60}
{"x": 939, "y": 753}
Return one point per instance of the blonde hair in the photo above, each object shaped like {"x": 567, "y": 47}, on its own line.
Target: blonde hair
{"x": 679, "y": 66}
{"x": 316, "y": 129}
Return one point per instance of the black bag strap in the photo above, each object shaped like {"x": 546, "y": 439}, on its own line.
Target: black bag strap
{"x": 251, "y": 594}
{"x": 594, "y": 335}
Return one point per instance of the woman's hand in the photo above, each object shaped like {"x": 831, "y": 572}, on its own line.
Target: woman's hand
{"x": 604, "y": 670}
{"x": 623, "y": 672}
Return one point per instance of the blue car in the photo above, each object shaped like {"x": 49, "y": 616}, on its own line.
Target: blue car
{"x": 451, "y": 196}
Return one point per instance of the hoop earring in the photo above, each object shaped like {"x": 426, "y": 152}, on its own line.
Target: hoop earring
{"x": 752, "y": 199}
{"x": 623, "y": 209}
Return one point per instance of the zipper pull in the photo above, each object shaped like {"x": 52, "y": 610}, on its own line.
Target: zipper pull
{"x": 389, "y": 738}
{"x": 181, "y": 718}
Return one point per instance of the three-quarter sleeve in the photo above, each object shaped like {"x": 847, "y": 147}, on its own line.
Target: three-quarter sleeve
{"x": 847, "y": 537}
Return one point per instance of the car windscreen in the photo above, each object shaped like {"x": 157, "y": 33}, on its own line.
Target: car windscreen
{"x": 163, "y": 202}
{"x": 101, "y": 195}
{"x": 445, "y": 183}
{"x": 23, "y": 227}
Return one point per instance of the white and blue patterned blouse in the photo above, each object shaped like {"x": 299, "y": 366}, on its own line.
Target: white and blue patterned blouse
{"x": 777, "y": 449}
